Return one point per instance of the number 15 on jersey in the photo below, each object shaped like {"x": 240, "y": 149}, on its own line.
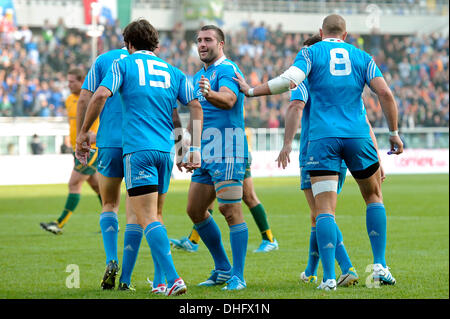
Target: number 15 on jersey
{"x": 152, "y": 71}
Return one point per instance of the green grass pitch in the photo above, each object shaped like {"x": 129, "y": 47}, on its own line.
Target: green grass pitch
{"x": 33, "y": 262}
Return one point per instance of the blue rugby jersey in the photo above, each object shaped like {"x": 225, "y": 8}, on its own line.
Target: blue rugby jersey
{"x": 301, "y": 93}
{"x": 337, "y": 73}
{"x": 149, "y": 88}
{"x": 223, "y": 130}
{"x": 109, "y": 133}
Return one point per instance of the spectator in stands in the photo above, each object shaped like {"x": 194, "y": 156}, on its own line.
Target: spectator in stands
{"x": 37, "y": 148}
{"x": 47, "y": 32}
{"x": 32, "y": 67}
{"x": 66, "y": 148}
{"x": 260, "y": 33}
{"x": 5, "y": 106}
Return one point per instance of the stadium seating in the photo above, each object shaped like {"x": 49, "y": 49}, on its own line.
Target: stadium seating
{"x": 33, "y": 65}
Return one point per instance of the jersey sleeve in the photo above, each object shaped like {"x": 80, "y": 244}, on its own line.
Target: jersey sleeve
{"x": 186, "y": 90}
{"x": 372, "y": 70}
{"x": 114, "y": 78}
{"x": 226, "y": 78}
{"x": 93, "y": 78}
{"x": 300, "y": 93}
{"x": 303, "y": 60}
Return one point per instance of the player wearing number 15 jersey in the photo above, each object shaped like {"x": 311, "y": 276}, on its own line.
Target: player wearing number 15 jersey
{"x": 149, "y": 87}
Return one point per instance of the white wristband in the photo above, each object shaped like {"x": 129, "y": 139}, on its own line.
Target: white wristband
{"x": 195, "y": 149}
{"x": 250, "y": 92}
{"x": 393, "y": 133}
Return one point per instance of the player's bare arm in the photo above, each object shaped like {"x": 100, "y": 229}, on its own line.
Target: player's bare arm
{"x": 245, "y": 88}
{"x": 94, "y": 108}
{"x": 223, "y": 99}
{"x": 293, "y": 119}
{"x": 280, "y": 84}
{"x": 83, "y": 101}
{"x": 178, "y": 136}
{"x": 210, "y": 49}
{"x": 389, "y": 107}
{"x": 195, "y": 126}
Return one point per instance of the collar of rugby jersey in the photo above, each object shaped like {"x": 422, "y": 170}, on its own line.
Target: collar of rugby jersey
{"x": 145, "y": 52}
{"x": 332, "y": 40}
{"x": 219, "y": 61}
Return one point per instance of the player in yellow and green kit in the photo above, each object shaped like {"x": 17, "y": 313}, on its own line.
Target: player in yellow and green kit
{"x": 80, "y": 173}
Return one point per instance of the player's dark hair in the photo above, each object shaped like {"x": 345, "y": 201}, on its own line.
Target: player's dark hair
{"x": 220, "y": 36}
{"x": 141, "y": 35}
{"x": 312, "y": 40}
{"x": 77, "y": 72}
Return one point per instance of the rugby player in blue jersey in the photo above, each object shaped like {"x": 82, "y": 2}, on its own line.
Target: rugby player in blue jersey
{"x": 224, "y": 157}
{"x": 109, "y": 143}
{"x": 337, "y": 73}
{"x": 298, "y": 110}
{"x": 149, "y": 88}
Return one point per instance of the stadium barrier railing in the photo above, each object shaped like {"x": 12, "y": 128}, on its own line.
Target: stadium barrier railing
{"x": 16, "y": 135}
{"x": 427, "y": 151}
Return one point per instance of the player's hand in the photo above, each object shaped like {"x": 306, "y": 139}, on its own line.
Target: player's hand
{"x": 243, "y": 86}
{"x": 179, "y": 161}
{"x": 205, "y": 86}
{"x": 283, "y": 158}
{"x": 92, "y": 137}
{"x": 180, "y": 166}
{"x": 83, "y": 146}
{"x": 396, "y": 145}
{"x": 383, "y": 175}
{"x": 82, "y": 156}
{"x": 192, "y": 161}
{"x": 182, "y": 150}
{"x": 84, "y": 141}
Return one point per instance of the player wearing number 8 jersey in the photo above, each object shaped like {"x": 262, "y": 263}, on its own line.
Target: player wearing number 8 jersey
{"x": 337, "y": 73}
{"x": 343, "y": 76}
{"x": 149, "y": 88}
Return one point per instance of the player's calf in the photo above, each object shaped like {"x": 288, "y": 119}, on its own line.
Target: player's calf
{"x": 324, "y": 189}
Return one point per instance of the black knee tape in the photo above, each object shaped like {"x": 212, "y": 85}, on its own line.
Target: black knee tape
{"x": 322, "y": 173}
{"x": 142, "y": 190}
{"x": 366, "y": 173}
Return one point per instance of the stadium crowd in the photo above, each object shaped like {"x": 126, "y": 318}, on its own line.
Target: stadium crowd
{"x": 33, "y": 66}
